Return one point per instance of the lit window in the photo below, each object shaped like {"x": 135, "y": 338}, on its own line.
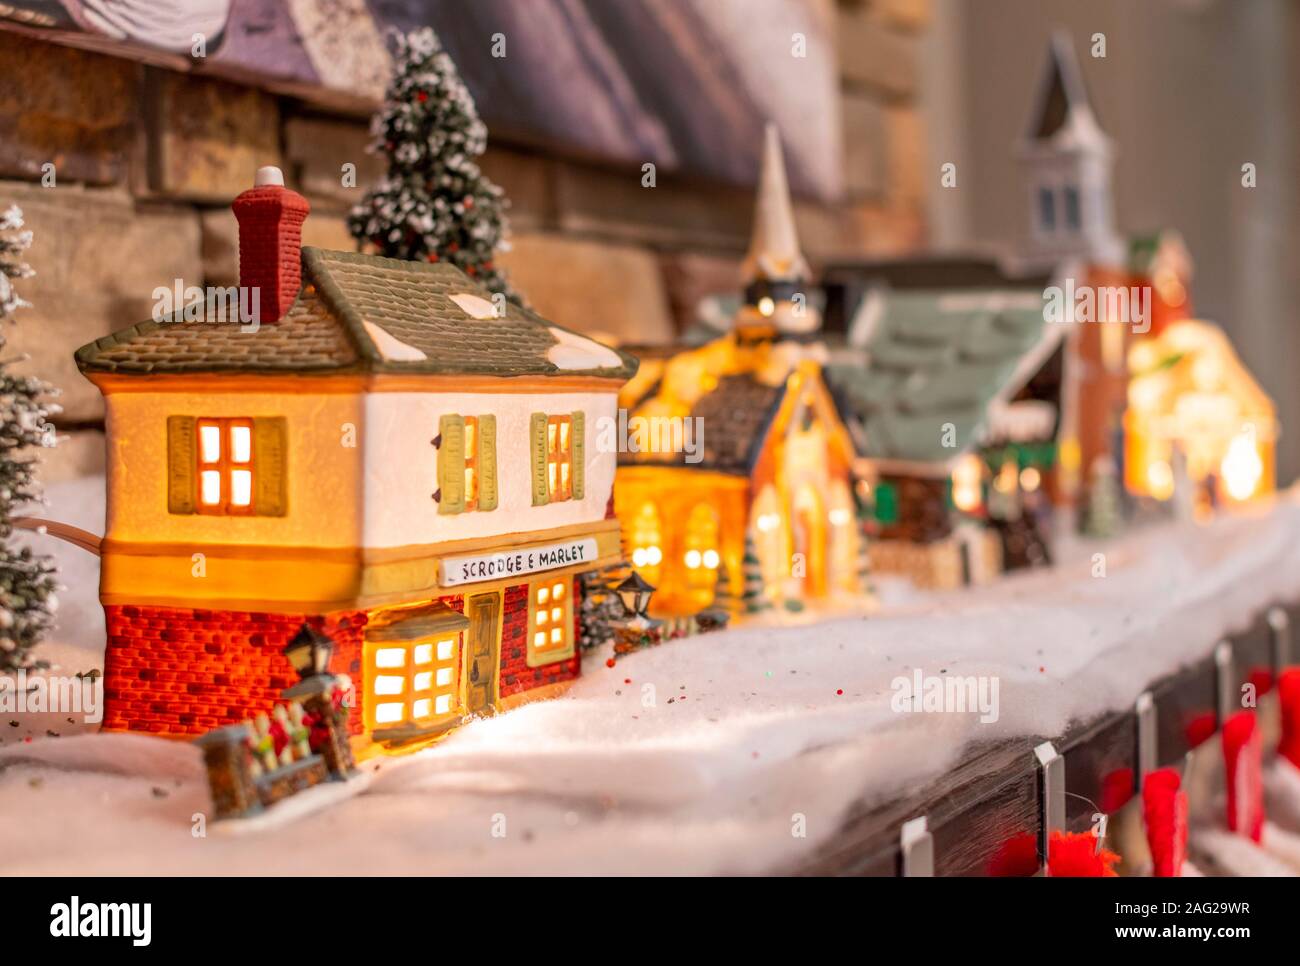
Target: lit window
{"x": 559, "y": 457}
{"x": 551, "y": 623}
{"x": 701, "y": 538}
{"x": 411, "y": 684}
{"x": 646, "y": 538}
{"x": 225, "y": 466}
{"x": 471, "y": 462}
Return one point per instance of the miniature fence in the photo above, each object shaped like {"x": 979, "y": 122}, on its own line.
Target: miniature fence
{"x": 303, "y": 742}
{"x": 995, "y": 812}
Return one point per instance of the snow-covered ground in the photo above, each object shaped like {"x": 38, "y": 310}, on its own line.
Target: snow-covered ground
{"x": 704, "y": 755}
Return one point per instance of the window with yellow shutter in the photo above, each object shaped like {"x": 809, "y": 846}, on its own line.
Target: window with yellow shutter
{"x": 227, "y": 466}
{"x": 467, "y": 465}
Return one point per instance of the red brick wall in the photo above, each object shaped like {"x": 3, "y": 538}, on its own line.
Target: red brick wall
{"x": 178, "y": 671}
{"x": 184, "y": 671}
{"x": 516, "y": 675}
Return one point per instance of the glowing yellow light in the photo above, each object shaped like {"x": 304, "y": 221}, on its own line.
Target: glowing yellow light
{"x": 766, "y": 306}
{"x": 639, "y": 557}
{"x": 1160, "y": 479}
{"x": 840, "y": 516}
{"x": 1241, "y": 467}
{"x": 1030, "y": 479}
{"x": 693, "y": 559}
{"x": 711, "y": 559}
{"x": 768, "y": 521}
{"x": 966, "y": 478}
{"x": 654, "y": 555}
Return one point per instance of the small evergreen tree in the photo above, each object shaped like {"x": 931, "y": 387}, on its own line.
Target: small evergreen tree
{"x": 724, "y": 599}
{"x": 864, "y": 514}
{"x": 27, "y": 582}
{"x": 601, "y": 606}
{"x": 434, "y": 204}
{"x": 754, "y": 590}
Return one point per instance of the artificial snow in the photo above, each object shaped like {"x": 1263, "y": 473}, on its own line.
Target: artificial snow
{"x": 578, "y": 352}
{"x": 706, "y": 754}
{"x": 475, "y": 306}
{"x": 390, "y": 347}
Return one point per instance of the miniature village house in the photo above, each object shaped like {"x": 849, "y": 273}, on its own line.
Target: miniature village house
{"x": 766, "y": 504}
{"x": 390, "y": 457}
{"x": 1197, "y": 419}
{"x": 953, "y": 400}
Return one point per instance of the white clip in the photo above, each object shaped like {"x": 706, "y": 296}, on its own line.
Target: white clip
{"x": 1051, "y": 766}
{"x": 1225, "y": 677}
{"x": 917, "y": 846}
{"x": 1279, "y": 625}
{"x": 1147, "y": 750}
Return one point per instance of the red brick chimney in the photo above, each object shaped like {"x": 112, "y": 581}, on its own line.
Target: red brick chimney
{"x": 270, "y": 242}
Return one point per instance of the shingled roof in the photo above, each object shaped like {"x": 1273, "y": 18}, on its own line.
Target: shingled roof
{"x": 734, "y": 416}
{"x": 937, "y": 359}
{"x": 365, "y": 313}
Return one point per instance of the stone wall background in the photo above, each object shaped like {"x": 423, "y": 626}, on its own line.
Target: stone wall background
{"x": 147, "y": 161}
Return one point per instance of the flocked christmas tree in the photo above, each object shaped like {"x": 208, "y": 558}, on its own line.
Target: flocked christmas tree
{"x": 601, "y": 607}
{"x": 27, "y": 581}
{"x": 753, "y": 592}
{"x": 434, "y": 204}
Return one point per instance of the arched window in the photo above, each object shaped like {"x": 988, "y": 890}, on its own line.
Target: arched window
{"x": 646, "y": 539}
{"x": 844, "y": 537}
{"x": 701, "y": 554}
{"x": 769, "y": 528}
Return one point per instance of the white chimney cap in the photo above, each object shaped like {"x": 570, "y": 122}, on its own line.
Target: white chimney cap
{"x": 269, "y": 175}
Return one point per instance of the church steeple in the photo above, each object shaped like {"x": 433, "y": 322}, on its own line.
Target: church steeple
{"x": 775, "y": 273}
{"x": 1067, "y": 160}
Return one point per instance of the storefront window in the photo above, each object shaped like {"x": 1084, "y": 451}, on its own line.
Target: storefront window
{"x": 550, "y": 622}
{"x": 700, "y": 556}
{"x": 412, "y": 683}
{"x": 647, "y": 543}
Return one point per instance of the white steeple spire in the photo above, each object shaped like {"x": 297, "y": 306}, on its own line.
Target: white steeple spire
{"x": 774, "y": 253}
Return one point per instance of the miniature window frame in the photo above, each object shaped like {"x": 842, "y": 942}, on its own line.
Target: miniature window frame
{"x": 546, "y": 597}
{"x": 471, "y": 447}
{"x": 559, "y": 458}
{"x": 426, "y": 673}
{"x": 224, "y": 466}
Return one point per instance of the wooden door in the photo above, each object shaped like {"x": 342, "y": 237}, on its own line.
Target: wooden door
{"x": 484, "y": 613}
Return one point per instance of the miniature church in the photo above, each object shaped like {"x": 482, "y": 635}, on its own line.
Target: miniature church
{"x": 762, "y": 511}
{"x": 1068, "y": 163}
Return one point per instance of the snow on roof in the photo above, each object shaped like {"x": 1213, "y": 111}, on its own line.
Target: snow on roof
{"x": 572, "y": 351}
{"x": 392, "y": 349}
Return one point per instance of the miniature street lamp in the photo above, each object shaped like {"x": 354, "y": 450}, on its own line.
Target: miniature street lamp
{"x": 635, "y": 593}
{"x": 309, "y": 651}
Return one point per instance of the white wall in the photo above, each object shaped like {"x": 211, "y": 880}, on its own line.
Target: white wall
{"x": 402, "y": 467}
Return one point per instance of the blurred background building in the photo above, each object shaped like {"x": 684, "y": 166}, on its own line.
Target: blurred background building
{"x": 154, "y": 113}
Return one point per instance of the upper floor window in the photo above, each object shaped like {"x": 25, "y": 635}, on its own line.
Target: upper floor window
{"x": 467, "y": 463}
{"x": 558, "y": 457}
{"x": 1072, "y": 215}
{"x": 226, "y": 466}
{"x": 1046, "y": 209}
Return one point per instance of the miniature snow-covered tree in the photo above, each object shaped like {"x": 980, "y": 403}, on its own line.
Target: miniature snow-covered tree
{"x": 724, "y": 599}
{"x": 601, "y": 607}
{"x": 27, "y": 581}
{"x": 754, "y": 592}
{"x": 434, "y": 204}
